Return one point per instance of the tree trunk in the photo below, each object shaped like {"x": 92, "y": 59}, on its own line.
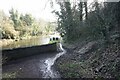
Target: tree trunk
{"x": 86, "y": 10}
{"x": 81, "y": 10}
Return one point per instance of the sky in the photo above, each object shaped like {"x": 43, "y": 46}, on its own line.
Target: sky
{"x": 38, "y": 8}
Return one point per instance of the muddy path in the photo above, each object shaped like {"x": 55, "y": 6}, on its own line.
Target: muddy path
{"x": 38, "y": 66}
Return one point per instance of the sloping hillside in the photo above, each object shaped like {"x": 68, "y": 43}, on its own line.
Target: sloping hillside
{"x": 94, "y": 59}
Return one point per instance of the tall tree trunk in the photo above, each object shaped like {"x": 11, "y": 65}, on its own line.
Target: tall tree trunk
{"x": 81, "y": 10}
{"x": 86, "y": 10}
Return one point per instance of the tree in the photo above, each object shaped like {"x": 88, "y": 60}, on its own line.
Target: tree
{"x": 86, "y": 10}
{"x": 7, "y": 27}
{"x": 65, "y": 20}
{"x": 98, "y": 23}
{"x": 80, "y": 7}
{"x": 27, "y": 19}
{"x": 14, "y": 16}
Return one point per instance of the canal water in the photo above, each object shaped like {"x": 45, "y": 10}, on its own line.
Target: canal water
{"x": 28, "y": 42}
{"x": 38, "y": 66}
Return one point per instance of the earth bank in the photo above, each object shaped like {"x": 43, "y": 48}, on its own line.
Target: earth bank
{"x": 94, "y": 59}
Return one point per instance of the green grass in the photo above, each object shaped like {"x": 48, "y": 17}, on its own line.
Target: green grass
{"x": 9, "y": 75}
{"x": 72, "y": 70}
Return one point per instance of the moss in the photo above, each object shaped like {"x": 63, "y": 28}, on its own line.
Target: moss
{"x": 9, "y": 75}
{"x": 70, "y": 70}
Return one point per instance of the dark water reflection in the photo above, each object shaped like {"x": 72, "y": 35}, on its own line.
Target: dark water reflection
{"x": 27, "y": 42}
{"x": 29, "y": 67}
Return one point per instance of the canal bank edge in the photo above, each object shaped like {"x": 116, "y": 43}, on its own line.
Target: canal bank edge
{"x": 13, "y": 54}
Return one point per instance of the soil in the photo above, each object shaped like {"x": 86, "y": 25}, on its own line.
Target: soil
{"x": 95, "y": 59}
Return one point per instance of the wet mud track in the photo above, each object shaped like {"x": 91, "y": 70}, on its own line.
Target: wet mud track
{"x": 29, "y": 67}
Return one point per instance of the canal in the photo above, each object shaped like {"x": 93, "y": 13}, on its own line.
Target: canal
{"x": 37, "y": 66}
